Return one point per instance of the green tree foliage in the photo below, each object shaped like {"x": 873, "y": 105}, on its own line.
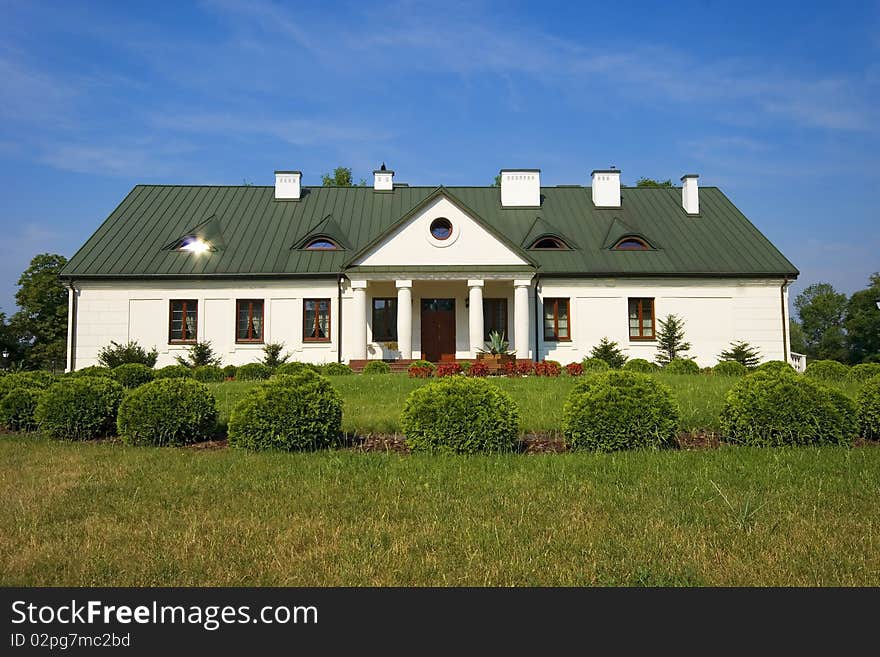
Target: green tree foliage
{"x": 341, "y": 177}
{"x": 821, "y": 309}
{"x": 610, "y": 352}
{"x": 796, "y": 335}
{"x": 201, "y": 353}
{"x": 496, "y": 181}
{"x": 862, "y": 323}
{"x": 743, "y": 353}
{"x": 650, "y": 182}
{"x": 42, "y": 320}
{"x": 670, "y": 340}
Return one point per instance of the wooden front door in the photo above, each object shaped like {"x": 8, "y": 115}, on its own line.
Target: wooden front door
{"x": 438, "y": 330}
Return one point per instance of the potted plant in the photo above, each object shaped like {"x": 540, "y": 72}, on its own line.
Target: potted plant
{"x": 496, "y": 354}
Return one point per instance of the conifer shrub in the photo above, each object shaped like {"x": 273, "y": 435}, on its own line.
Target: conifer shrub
{"x": 132, "y": 375}
{"x": 730, "y": 368}
{"x": 618, "y": 410}
{"x": 79, "y": 408}
{"x": 461, "y": 415}
{"x": 826, "y": 370}
{"x": 771, "y": 409}
{"x": 682, "y": 366}
{"x": 289, "y": 412}
{"x": 175, "y": 411}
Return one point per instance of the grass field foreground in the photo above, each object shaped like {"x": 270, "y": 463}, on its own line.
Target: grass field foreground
{"x": 102, "y": 514}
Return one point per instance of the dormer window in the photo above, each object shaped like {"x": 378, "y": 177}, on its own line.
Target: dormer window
{"x": 321, "y": 244}
{"x": 632, "y": 244}
{"x": 549, "y": 244}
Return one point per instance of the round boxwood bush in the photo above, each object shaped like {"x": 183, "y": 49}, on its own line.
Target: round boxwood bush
{"x": 92, "y": 370}
{"x": 682, "y": 366}
{"x": 730, "y": 368}
{"x": 132, "y": 375}
{"x": 208, "y": 374}
{"x": 296, "y": 368}
{"x": 17, "y": 409}
{"x": 827, "y": 370}
{"x": 869, "y": 409}
{"x": 253, "y": 372}
{"x": 619, "y": 410}
{"x": 336, "y": 369}
{"x": 863, "y": 371}
{"x": 640, "y": 365}
{"x": 175, "y": 411}
{"x": 460, "y": 415}
{"x": 80, "y": 408}
{"x": 289, "y": 412}
{"x": 377, "y": 367}
{"x": 37, "y": 380}
{"x": 173, "y": 372}
{"x": 229, "y": 371}
{"x": 766, "y": 409}
{"x": 776, "y": 367}
{"x": 594, "y": 365}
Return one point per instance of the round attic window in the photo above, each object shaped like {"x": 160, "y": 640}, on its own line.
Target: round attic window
{"x": 441, "y": 228}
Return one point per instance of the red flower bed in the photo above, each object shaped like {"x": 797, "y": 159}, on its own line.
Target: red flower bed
{"x": 448, "y": 369}
{"x": 574, "y": 369}
{"x": 419, "y": 372}
{"x": 521, "y": 368}
{"x": 548, "y": 368}
{"x": 479, "y": 369}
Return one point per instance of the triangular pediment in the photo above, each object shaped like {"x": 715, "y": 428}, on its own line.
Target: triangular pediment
{"x": 543, "y": 228}
{"x": 620, "y": 229}
{"x": 470, "y": 242}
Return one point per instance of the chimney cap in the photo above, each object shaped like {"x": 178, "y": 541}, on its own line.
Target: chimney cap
{"x": 520, "y": 171}
{"x": 611, "y": 170}
{"x": 690, "y": 175}
{"x": 383, "y": 169}
{"x": 284, "y": 171}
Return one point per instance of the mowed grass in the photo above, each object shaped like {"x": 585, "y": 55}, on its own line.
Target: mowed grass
{"x": 372, "y": 404}
{"x": 104, "y": 514}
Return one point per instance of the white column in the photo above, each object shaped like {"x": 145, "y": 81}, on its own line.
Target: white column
{"x": 359, "y": 320}
{"x": 475, "y": 315}
{"x": 404, "y": 318}
{"x": 70, "y": 325}
{"x": 521, "y": 316}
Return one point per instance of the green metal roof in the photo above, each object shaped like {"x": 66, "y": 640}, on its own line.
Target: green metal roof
{"x": 254, "y": 235}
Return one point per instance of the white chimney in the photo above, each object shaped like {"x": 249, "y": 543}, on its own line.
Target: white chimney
{"x": 287, "y": 185}
{"x": 690, "y": 193}
{"x": 606, "y": 188}
{"x": 383, "y": 179}
{"x": 521, "y": 188}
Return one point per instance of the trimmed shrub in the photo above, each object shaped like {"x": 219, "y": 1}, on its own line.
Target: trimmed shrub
{"x": 132, "y": 375}
{"x": 424, "y": 363}
{"x": 92, "y": 370}
{"x": 289, "y": 412}
{"x": 479, "y": 369}
{"x": 80, "y": 408}
{"x": 229, "y": 371}
{"x": 377, "y": 367}
{"x": 640, "y": 365}
{"x": 253, "y": 372}
{"x": 730, "y": 368}
{"x": 448, "y": 369}
{"x": 682, "y": 366}
{"x": 826, "y": 370}
{"x": 548, "y": 368}
{"x": 173, "y": 372}
{"x": 37, "y": 380}
{"x": 174, "y": 411}
{"x": 420, "y": 369}
{"x": 574, "y": 369}
{"x": 296, "y": 368}
{"x": 114, "y": 354}
{"x": 769, "y": 409}
{"x": 619, "y": 410}
{"x": 869, "y": 409}
{"x": 776, "y": 367}
{"x": 336, "y": 369}
{"x": 17, "y": 409}
{"x": 208, "y": 374}
{"x": 864, "y": 371}
{"x": 594, "y": 365}
{"x": 460, "y": 415}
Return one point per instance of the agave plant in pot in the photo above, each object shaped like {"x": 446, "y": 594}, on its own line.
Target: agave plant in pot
{"x": 496, "y": 354}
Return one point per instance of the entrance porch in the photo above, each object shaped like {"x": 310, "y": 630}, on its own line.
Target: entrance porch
{"x": 436, "y": 319}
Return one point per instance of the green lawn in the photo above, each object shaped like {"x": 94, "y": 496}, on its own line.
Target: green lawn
{"x": 105, "y": 514}
{"x": 373, "y": 403}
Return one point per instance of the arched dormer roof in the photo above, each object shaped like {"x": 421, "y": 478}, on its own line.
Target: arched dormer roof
{"x": 325, "y": 231}
{"x": 542, "y": 235}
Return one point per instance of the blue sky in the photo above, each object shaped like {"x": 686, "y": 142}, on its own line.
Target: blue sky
{"x": 776, "y": 103}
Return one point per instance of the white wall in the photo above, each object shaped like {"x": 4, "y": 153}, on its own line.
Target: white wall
{"x": 716, "y": 312}
{"x": 123, "y": 311}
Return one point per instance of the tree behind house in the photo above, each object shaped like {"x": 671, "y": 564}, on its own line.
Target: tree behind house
{"x": 609, "y": 352}
{"x": 862, "y": 323}
{"x": 42, "y": 320}
{"x": 650, "y": 182}
{"x": 670, "y": 340}
{"x": 821, "y": 309}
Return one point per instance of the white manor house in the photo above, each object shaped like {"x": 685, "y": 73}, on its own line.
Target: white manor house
{"x": 398, "y": 272}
